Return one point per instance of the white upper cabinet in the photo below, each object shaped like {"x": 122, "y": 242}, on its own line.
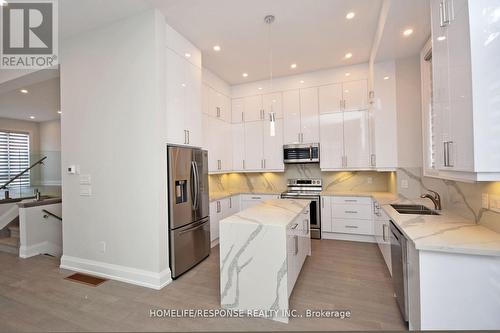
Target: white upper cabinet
{"x": 237, "y": 110}
{"x": 273, "y": 146}
{"x": 330, "y": 98}
{"x": 356, "y": 140}
{"x": 291, "y": 105}
{"x": 272, "y": 103}
{"x": 355, "y": 95}
{"x": 301, "y": 116}
{"x": 219, "y": 105}
{"x": 238, "y": 137}
{"x": 184, "y": 101}
{"x": 309, "y": 115}
{"x": 253, "y": 108}
{"x": 254, "y": 144}
{"x": 464, "y": 72}
{"x": 205, "y": 104}
{"x": 332, "y": 141}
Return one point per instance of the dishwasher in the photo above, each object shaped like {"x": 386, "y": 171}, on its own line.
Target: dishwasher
{"x": 399, "y": 269}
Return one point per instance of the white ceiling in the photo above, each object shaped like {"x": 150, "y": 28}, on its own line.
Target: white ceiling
{"x": 42, "y": 101}
{"x": 76, "y": 16}
{"x": 414, "y": 14}
{"x": 312, "y": 33}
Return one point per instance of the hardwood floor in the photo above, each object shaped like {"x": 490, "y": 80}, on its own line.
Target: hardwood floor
{"x": 339, "y": 275}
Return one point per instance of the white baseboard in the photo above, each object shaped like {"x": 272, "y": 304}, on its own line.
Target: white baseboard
{"x": 40, "y": 248}
{"x": 125, "y": 274}
{"x": 348, "y": 237}
{"x": 214, "y": 243}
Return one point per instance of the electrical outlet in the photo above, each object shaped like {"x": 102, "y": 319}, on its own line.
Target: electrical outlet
{"x": 485, "y": 201}
{"x": 495, "y": 203}
{"x": 369, "y": 180}
{"x": 102, "y": 247}
{"x": 404, "y": 183}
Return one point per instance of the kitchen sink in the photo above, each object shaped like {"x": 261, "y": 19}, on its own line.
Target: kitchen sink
{"x": 414, "y": 210}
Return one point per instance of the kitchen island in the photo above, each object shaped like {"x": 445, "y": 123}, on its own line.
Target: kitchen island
{"x": 262, "y": 250}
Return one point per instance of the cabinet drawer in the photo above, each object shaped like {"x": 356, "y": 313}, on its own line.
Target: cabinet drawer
{"x": 353, "y": 226}
{"x": 258, "y": 197}
{"x": 349, "y": 211}
{"x": 352, "y": 200}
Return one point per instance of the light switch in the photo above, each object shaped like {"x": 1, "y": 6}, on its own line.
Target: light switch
{"x": 85, "y": 179}
{"x": 85, "y": 191}
{"x": 404, "y": 183}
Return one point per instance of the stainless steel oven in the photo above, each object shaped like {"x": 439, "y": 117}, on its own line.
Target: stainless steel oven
{"x": 301, "y": 153}
{"x": 307, "y": 189}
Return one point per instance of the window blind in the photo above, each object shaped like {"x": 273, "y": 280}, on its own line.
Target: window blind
{"x": 14, "y": 158}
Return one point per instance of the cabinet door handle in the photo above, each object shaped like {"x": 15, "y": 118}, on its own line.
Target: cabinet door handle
{"x": 351, "y": 226}
{"x": 340, "y": 105}
{"x": 295, "y": 226}
{"x": 189, "y": 139}
{"x": 351, "y": 212}
{"x": 373, "y": 160}
{"x": 306, "y": 224}
{"x": 450, "y": 154}
{"x": 265, "y": 163}
{"x": 230, "y": 202}
{"x": 243, "y": 164}
{"x": 298, "y": 136}
{"x": 256, "y": 198}
{"x": 322, "y": 202}
{"x": 441, "y": 18}
{"x": 445, "y": 154}
{"x": 350, "y": 200}
{"x": 446, "y": 13}
{"x": 242, "y": 117}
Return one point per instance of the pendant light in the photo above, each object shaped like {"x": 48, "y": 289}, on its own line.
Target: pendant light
{"x": 269, "y": 19}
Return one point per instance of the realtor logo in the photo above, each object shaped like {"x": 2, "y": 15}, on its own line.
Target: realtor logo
{"x": 29, "y": 34}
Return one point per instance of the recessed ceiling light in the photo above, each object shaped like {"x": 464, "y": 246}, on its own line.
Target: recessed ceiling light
{"x": 302, "y": 81}
{"x": 350, "y": 15}
{"x": 216, "y": 48}
{"x": 183, "y": 85}
{"x": 407, "y": 32}
{"x": 32, "y": 117}
{"x": 347, "y": 74}
{"x": 24, "y": 91}
{"x": 187, "y": 55}
{"x": 386, "y": 78}
{"x": 245, "y": 74}
{"x": 348, "y": 55}
{"x": 260, "y": 88}
{"x": 293, "y": 66}
{"x": 60, "y": 112}
{"x": 441, "y": 38}
{"x": 346, "y": 91}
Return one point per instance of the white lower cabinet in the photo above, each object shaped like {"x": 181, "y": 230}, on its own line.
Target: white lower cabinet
{"x": 347, "y": 215}
{"x": 219, "y": 210}
{"x": 298, "y": 244}
{"x": 382, "y": 229}
{"x": 249, "y": 200}
{"x": 326, "y": 214}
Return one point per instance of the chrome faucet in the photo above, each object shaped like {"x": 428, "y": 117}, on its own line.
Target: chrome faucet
{"x": 434, "y": 197}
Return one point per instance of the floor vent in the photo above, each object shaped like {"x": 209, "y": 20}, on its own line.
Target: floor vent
{"x": 86, "y": 279}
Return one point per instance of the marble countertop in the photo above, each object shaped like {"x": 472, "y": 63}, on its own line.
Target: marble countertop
{"x": 277, "y": 212}
{"x": 222, "y": 195}
{"x": 447, "y": 232}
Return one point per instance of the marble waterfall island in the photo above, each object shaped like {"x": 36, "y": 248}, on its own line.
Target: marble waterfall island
{"x": 262, "y": 250}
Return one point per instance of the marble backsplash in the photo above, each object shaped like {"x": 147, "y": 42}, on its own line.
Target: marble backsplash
{"x": 360, "y": 181}
{"x": 465, "y": 199}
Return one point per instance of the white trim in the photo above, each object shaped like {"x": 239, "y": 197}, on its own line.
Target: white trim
{"x": 40, "y": 248}
{"x": 125, "y": 274}
{"x": 348, "y": 237}
{"x": 214, "y": 243}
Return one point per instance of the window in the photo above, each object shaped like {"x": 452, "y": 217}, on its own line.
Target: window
{"x": 14, "y": 158}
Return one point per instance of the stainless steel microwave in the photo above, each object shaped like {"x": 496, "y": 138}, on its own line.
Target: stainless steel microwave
{"x": 301, "y": 153}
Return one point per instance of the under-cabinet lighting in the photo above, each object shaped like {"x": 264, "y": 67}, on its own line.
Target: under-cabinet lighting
{"x": 293, "y": 66}
{"x": 217, "y": 48}
{"x": 24, "y": 91}
{"x": 347, "y": 74}
{"x": 441, "y": 38}
{"x": 408, "y": 32}
{"x": 348, "y": 55}
{"x": 350, "y": 15}
{"x": 245, "y": 74}
{"x": 187, "y": 55}
{"x": 32, "y": 117}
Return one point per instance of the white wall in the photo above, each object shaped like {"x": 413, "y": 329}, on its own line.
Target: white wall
{"x": 215, "y": 82}
{"x": 114, "y": 131}
{"x": 39, "y": 235}
{"x": 408, "y": 97}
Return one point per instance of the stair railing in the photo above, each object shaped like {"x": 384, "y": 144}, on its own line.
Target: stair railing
{"x": 4, "y": 186}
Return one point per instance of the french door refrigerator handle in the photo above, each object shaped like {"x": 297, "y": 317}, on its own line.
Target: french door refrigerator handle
{"x": 193, "y": 185}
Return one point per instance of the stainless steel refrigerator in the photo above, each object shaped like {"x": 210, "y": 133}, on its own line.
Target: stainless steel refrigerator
{"x": 189, "y": 221}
